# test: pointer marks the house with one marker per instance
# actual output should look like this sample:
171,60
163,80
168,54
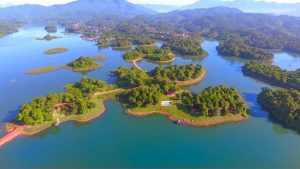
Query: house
195,111
166,103
171,93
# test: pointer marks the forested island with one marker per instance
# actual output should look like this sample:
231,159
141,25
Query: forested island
81,64
151,53
48,37
78,103
241,50
273,74
186,46
283,104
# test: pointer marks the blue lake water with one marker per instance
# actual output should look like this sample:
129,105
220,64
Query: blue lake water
119,140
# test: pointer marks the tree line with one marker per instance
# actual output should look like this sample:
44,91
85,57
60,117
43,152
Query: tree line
274,74
217,101
283,104
76,100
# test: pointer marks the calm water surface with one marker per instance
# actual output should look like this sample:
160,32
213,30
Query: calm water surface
119,140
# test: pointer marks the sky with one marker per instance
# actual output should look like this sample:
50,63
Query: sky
165,2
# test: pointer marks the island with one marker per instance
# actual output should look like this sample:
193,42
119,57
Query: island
186,46
241,50
77,103
141,93
84,64
158,92
152,53
55,51
273,74
283,105
81,64
48,38
51,29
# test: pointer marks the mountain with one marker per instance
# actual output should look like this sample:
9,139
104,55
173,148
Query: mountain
161,8
81,9
248,6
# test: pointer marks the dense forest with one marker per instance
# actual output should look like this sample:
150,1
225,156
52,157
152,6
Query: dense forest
76,100
256,30
244,51
149,52
7,27
185,46
131,77
273,74
83,63
283,104
218,101
177,73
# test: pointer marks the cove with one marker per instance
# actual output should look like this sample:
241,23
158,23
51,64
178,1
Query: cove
119,140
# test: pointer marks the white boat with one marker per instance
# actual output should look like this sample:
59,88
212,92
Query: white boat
13,81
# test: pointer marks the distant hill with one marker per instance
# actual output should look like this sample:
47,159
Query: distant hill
248,6
161,8
81,9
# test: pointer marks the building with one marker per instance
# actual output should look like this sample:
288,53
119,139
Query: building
166,103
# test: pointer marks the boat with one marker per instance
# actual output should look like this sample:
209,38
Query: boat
13,81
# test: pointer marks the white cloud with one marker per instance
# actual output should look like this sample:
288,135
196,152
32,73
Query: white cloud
165,2
41,2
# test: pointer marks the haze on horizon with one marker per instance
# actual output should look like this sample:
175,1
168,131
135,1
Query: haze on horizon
5,3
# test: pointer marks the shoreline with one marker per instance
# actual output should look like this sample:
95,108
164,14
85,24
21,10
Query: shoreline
18,130
226,119
193,81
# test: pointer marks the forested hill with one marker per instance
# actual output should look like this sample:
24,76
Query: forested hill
257,30
81,9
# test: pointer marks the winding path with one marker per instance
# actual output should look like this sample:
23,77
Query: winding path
135,63
108,92
11,135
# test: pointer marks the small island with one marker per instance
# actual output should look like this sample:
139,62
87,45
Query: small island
152,53
78,103
48,37
283,105
186,47
55,51
79,65
84,64
241,50
273,74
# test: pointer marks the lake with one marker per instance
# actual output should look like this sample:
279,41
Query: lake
118,140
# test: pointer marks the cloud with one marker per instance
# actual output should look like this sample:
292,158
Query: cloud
165,2
41,2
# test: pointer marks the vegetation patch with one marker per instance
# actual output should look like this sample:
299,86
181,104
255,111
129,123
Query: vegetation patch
149,52
283,104
83,64
55,51
186,46
45,69
241,50
273,74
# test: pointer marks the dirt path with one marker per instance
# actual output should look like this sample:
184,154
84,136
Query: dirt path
11,135
193,81
135,63
108,92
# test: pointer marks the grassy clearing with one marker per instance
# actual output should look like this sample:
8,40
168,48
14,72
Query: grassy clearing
87,69
45,69
99,58
55,51
182,114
